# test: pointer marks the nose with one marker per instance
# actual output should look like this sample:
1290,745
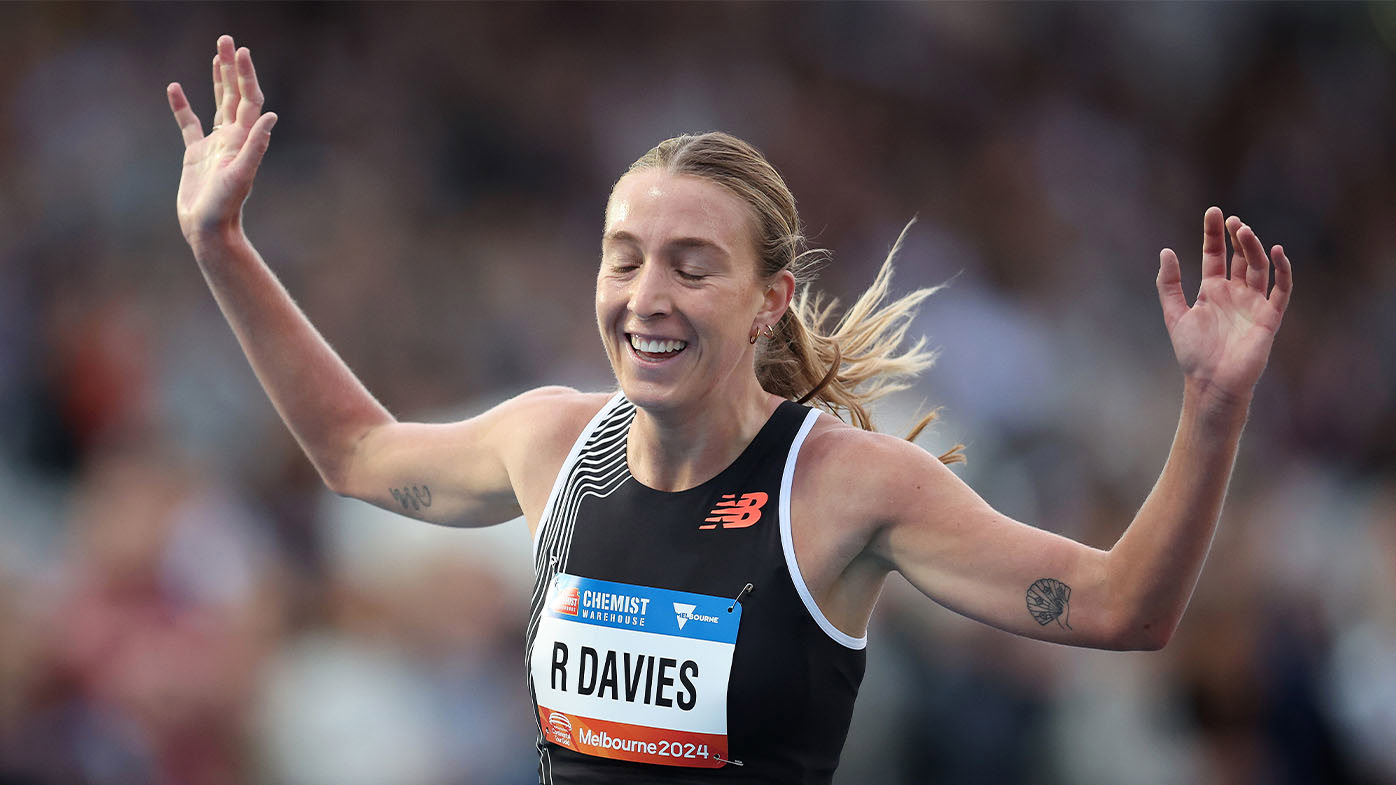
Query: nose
649,292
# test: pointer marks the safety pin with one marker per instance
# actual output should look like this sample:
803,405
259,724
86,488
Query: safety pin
745,589
721,759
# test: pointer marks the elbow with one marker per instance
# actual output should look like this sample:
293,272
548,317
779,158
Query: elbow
1152,637
334,475
337,468
337,477
1139,616
337,483
1134,626
1148,634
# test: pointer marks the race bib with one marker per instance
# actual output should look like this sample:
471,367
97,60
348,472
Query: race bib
635,673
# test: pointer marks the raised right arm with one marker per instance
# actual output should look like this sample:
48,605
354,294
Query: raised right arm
465,473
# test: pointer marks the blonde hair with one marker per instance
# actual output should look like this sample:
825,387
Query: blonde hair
841,369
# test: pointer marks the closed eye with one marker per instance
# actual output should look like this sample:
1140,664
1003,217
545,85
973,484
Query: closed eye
622,264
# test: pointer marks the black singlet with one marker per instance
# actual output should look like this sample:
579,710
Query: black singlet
793,675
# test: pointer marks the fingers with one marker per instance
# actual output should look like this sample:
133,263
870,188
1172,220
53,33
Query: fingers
1250,266
189,126
1170,288
217,92
250,156
1257,263
227,74
1284,279
1213,244
250,103
1238,250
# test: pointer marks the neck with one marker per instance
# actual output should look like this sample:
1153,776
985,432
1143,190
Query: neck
678,450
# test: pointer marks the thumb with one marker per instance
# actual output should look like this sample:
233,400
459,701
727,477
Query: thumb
1170,288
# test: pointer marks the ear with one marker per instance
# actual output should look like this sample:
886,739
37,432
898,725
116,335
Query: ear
776,299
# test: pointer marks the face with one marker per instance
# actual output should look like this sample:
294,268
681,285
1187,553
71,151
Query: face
678,293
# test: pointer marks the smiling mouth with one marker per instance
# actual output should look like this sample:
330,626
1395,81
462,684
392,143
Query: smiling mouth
655,349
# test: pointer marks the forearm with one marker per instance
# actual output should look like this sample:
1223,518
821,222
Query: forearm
1153,568
326,407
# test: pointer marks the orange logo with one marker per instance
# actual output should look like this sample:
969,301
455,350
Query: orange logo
736,513
561,728
566,601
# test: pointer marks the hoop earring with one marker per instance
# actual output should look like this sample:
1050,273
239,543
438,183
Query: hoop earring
769,332
752,338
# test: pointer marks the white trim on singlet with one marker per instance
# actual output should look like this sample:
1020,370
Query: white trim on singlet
567,465
787,543
599,473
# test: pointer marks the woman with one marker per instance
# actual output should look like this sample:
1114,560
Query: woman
708,551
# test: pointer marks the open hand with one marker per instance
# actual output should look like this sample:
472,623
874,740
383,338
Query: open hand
219,167
1223,341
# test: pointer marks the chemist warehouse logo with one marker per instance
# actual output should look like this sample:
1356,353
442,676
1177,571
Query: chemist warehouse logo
685,614
619,608
736,513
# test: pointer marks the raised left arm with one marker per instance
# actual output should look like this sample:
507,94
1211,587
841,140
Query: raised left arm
1222,343
957,550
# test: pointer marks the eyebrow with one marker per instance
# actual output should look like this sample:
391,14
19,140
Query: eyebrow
681,243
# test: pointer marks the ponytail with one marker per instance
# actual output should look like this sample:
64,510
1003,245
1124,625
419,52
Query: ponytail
860,359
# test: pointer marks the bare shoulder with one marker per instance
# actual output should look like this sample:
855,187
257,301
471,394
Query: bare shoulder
851,486
555,403
543,421
535,431
868,475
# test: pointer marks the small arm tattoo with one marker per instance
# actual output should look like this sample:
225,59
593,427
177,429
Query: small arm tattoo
1049,600
412,497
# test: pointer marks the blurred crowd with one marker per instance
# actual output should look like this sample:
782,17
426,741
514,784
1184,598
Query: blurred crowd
182,603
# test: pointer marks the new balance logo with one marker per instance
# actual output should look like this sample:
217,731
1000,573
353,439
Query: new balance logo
736,513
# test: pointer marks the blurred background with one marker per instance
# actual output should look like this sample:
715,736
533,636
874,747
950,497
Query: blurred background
182,602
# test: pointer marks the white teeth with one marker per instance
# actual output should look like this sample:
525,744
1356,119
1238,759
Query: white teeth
652,346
